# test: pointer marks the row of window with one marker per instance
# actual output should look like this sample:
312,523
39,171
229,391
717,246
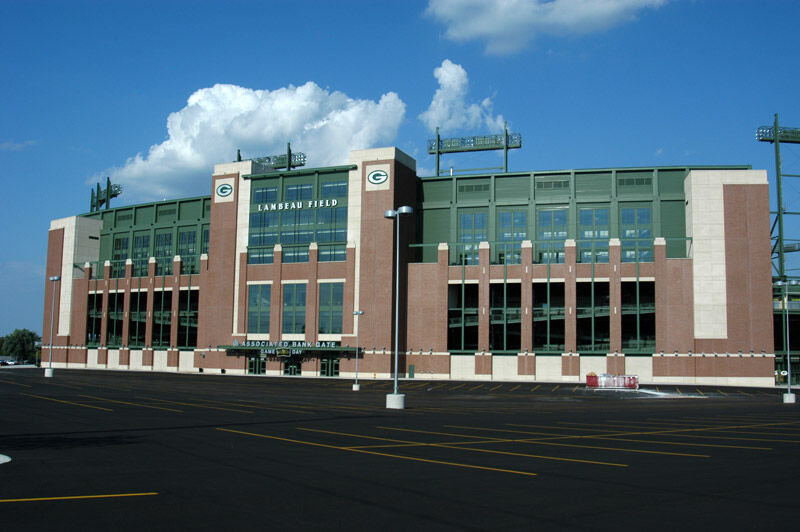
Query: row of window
162,248
136,317
636,235
330,308
299,192
548,316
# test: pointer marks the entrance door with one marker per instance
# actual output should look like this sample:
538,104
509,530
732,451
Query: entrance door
256,365
329,367
292,365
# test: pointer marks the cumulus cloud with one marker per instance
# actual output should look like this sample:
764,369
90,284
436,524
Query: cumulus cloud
218,120
507,26
449,109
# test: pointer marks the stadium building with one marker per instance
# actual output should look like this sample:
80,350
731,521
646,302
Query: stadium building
661,272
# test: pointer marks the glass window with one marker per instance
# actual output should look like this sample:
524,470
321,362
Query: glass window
636,233
294,309
331,297
258,305
471,231
593,225
552,227
334,189
265,195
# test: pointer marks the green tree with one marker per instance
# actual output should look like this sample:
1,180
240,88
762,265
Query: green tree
20,344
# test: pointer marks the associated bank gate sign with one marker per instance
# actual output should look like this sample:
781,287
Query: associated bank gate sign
283,348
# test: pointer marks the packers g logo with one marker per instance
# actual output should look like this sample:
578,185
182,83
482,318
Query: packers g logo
377,177
224,190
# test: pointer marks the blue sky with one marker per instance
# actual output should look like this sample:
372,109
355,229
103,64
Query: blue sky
155,93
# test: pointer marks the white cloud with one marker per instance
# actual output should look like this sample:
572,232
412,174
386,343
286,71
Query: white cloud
10,145
218,120
508,25
449,109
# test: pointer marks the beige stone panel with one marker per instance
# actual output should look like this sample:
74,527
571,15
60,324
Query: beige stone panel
462,367
548,368
186,361
597,364
136,360
242,230
504,368
641,366
160,361
113,359
91,358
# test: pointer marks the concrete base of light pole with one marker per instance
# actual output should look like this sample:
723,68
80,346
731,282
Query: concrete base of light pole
356,387
396,401
48,372
788,398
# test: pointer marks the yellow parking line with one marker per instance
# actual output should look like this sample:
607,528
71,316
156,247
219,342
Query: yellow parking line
67,402
539,442
535,388
496,387
198,405
127,403
515,387
435,387
364,451
459,386
474,449
73,497
555,388
745,393
700,392
475,388
17,384
723,393
679,391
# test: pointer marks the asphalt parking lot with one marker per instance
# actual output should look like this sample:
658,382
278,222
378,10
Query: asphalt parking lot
126,451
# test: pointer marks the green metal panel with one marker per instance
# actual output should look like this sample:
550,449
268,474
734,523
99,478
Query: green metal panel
552,187
435,228
437,190
190,209
673,225
124,217
166,212
634,183
595,186
473,189
671,182
512,188
145,215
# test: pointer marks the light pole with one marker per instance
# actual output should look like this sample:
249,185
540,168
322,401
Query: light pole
356,314
48,372
397,400
788,397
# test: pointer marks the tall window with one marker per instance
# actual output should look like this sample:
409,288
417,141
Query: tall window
141,253
504,316
116,313
638,315
163,252
593,232
265,195
187,318
120,256
94,319
333,189
294,309
548,317
137,319
162,318
636,233
592,320
462,317
551,232
512,229
187,249
259,297
331,296
471,231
